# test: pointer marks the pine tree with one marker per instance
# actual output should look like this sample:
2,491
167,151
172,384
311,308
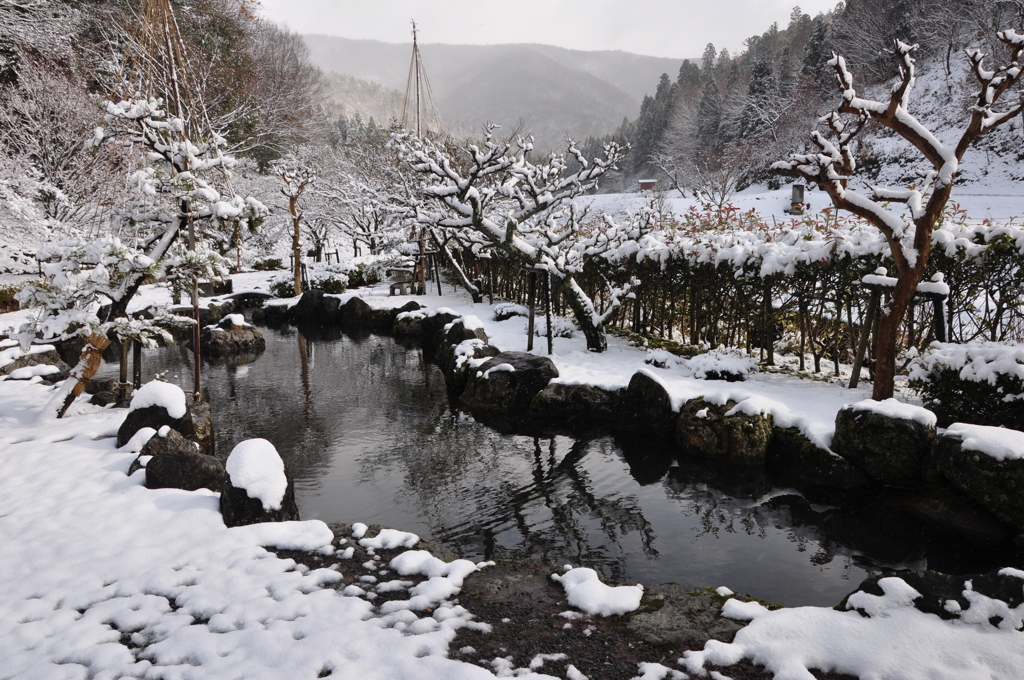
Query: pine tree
689,81
762,94
707,62
817,51
709,117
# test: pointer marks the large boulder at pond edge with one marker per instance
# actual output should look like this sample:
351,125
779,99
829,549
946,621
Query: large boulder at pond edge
157,404
646,406
704,431
357,315
503,386
461,362
177,463
230,337
986,464
432,327
257,487
450,350
317,309
887,440
822,476
576,407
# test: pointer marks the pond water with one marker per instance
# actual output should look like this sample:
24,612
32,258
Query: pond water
366,429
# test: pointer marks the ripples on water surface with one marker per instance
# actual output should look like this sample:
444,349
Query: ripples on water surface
366,429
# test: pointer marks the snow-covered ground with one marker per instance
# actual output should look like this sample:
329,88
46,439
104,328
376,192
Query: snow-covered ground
103,578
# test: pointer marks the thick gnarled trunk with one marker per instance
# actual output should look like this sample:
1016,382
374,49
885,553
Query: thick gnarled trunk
583,309
88,364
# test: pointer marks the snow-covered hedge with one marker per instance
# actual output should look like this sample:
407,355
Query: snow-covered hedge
978,382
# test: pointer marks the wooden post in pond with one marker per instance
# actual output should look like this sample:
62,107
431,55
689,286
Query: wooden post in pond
122,376
532,300
940,319
137,364
547,308
437,273
421,273
490,280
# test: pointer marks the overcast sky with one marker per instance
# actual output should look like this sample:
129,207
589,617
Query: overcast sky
663,28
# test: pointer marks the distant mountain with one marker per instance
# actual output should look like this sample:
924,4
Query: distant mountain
558,91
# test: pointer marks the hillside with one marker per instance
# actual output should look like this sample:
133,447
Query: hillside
559,91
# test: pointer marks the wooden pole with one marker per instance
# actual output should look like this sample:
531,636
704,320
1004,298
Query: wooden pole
547,307
862,347
532,300
137,364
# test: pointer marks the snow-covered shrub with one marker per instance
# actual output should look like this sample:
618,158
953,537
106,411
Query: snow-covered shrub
978,382
560,326
730,364
268,264
8,303
506,310
332,278
662,358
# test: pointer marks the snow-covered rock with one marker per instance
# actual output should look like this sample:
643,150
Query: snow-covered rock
258,487
987,464
177,463
887,440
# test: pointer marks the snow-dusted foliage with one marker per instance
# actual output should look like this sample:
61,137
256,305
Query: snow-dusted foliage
976,382
502,202
187,170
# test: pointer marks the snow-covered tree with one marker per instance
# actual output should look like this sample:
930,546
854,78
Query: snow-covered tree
296,176
908,234
88,286
499,200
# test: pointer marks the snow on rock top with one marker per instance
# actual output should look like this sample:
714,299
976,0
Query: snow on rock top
897,409
995,442
585,591
236,320
158,393
11,351
255,465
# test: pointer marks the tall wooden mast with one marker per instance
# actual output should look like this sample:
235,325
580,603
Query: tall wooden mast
419,109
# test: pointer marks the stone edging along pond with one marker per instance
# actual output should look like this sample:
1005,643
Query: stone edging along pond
874,449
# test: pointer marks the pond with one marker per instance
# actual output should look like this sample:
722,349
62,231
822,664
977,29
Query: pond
367,430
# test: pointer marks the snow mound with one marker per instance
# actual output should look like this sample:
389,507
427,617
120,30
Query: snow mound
894,640
721,364
585,591
255,465
29,372
995,442
158,393
389,539
897,409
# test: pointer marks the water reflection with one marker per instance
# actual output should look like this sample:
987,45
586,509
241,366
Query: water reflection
366,429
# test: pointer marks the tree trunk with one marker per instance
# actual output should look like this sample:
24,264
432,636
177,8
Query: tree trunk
583,310
888,332
296,246
88,364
